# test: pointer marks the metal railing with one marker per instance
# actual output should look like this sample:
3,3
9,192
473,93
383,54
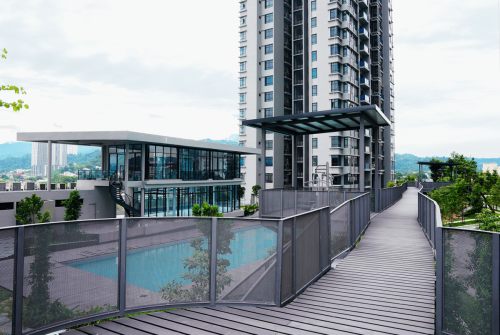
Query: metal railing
63,274
467,274
389,196
94,174
429,186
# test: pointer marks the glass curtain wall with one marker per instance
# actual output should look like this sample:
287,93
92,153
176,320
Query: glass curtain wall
162,162
116,158
194,164
159,202
189,196
227,198
134,162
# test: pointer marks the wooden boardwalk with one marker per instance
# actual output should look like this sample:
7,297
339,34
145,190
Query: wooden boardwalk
384,286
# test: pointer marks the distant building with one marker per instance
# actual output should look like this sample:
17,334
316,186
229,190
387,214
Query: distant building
39,160
490,167
72,149
69,174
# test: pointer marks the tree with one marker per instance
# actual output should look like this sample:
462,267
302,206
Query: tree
391,184
73,206
16,105
435,174
242,192
487,185
256,189
28,210
198,265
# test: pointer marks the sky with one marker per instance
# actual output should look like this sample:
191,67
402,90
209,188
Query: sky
170,68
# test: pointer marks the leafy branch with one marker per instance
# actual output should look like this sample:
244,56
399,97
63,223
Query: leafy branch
16,105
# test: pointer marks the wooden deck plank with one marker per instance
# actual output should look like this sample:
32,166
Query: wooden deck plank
93,330
171,326
120,329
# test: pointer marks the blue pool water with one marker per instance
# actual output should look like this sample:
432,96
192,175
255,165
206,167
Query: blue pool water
157,266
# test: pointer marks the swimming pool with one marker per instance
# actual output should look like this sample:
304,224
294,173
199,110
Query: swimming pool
157,266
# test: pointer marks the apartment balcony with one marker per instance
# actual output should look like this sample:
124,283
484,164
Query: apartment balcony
368,150
300,159
365,83
363,17
363,4
367,166
363,49
364,100
363,66
363,34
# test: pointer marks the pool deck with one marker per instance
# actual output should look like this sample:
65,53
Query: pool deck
386,285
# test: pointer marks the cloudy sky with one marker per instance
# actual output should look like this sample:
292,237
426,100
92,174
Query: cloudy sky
170,67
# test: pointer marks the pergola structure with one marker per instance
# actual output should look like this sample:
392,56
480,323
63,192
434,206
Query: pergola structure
440,164
329,121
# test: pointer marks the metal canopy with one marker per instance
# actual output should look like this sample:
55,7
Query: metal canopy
322,122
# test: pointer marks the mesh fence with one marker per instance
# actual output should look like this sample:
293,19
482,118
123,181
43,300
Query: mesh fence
246,260
339,230
168,261
467,282
307,243
70,271
336,198
270,203
7,247
288,203
287,262
325,244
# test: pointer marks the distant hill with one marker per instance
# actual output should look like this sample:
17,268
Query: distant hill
408,162
14,163
230,142
14,149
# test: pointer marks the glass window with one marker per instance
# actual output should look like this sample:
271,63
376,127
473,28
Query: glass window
242,161
268,81
315,143
315,107
335,86
242,113
269,177
314,73
268,96
268,49
268,112
268,64
336,160
242,66
334,14
243,51
242,82
346,142
268,33
243,35
269,145
268,3
314,160
314,39
242,98
314,22
242,130
314,90
334,49
314,56
269,161
335,141
243,5
313,6
243,20
336,103
335,67
242,143
334,32
268,18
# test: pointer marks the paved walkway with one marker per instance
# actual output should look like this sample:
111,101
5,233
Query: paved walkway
384,286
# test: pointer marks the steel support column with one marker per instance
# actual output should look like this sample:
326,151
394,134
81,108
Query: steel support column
279,263
294,161
49,166
122,267
143,178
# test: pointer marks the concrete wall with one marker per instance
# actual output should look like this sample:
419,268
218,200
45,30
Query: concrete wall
97,204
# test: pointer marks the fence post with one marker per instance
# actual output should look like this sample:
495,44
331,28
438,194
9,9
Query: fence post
279,264
320,242
295,202
294,257
496,285
17,313
213,262
122,267
329,227
439,279
281,193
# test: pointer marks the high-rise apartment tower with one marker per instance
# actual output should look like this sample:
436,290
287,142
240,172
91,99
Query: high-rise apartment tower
303,56
39,158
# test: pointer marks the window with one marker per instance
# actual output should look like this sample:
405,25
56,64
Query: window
315,107
336,160
242,161
242,82
269,145
269,161
313,6
268,49
314,160
268,65
314,90
334,14
242,66
334,32
315,143
242,130
269,177
243,5
314,56
346,142
268,81
242,98
335,141
268,96
268,112
243,35
334,49
242,113
344,16
243,20
314,39
268,18
243,51
5,206
268,33
314,73
242,143
314,22
268,4
337,180
336,86
335,67
336,103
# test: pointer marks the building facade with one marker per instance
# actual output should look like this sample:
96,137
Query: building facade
302,56
39,162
